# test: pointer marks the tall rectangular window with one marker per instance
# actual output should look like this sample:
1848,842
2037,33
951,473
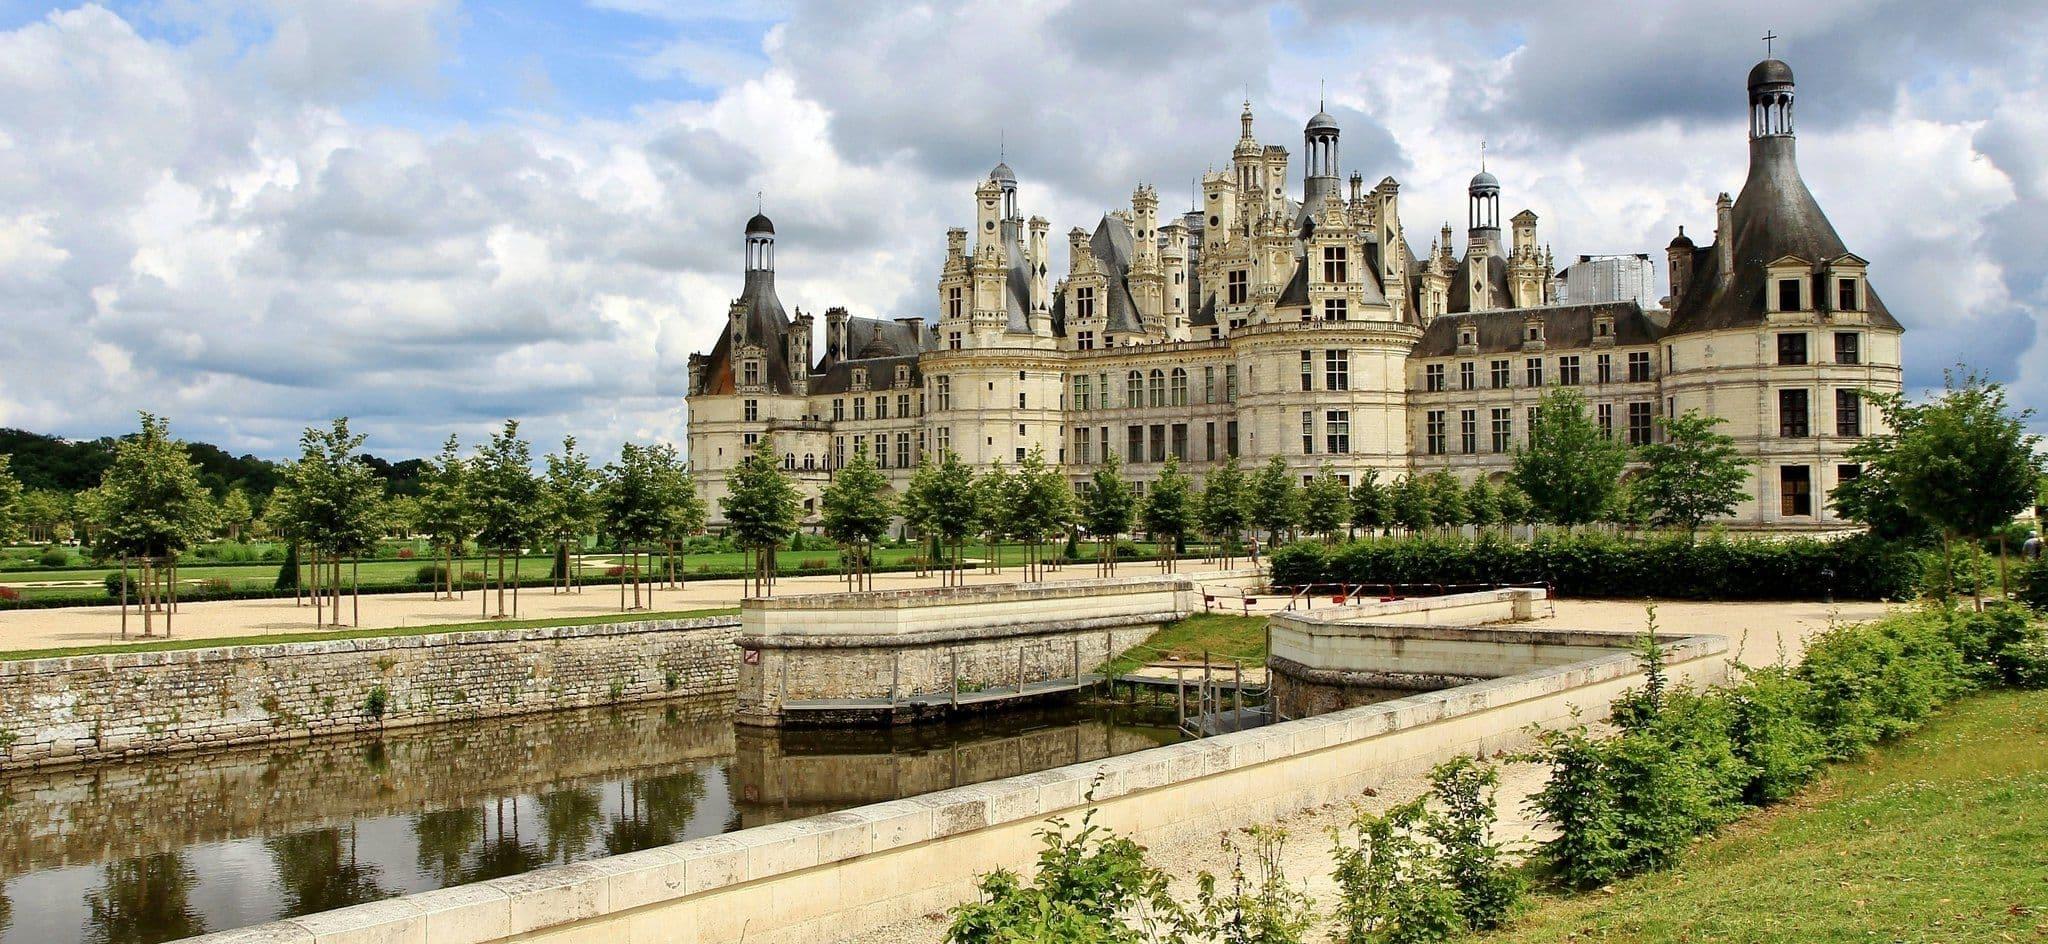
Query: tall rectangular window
1230,384
1788,295
1134,441
1084,393
753,411
1466,376
838,409
1337,370
1795,491
1308,370
1605,412
1084,445
945,440
1084,302
1638,366
945,393
1308,432
1158,431
1209,384
1603,368
1503,429
1498,374
1848,413
1792,414
903,450
1134,389
1533,368
1468,431
1337,431
860,408
1209,441
1433,432
1334,267
903,404
838,452
1568,370
1639,424
1792,348
1179,441
1237,288
1433,377
1848,347
881,408
953,303
750,374
1845,295
1230,437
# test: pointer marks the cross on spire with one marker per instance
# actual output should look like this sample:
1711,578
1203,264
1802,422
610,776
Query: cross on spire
1768,37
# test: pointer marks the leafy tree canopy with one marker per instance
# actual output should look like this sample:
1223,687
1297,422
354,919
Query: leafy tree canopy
1569,469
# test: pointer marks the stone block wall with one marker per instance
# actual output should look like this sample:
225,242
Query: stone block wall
83,708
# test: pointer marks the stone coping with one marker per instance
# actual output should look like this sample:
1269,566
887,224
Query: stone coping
563,895
986,593
889,640
114,661
1345,615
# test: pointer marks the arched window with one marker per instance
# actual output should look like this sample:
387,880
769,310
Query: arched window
810,459
1134,389
1180,386
1158,387
789,460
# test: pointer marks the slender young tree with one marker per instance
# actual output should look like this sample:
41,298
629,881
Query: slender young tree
630,510
333,501
1514,506
568,508
1224,507
1570,469
919,517
683,514
150,506
1107,510
235,513
1482,504
1446,500
857,509
508,505
1693,474
761,510
1275,500
1369,503
46,515
1413,509
994,501
447,512
1169,511
955,507
1041,506
1325,504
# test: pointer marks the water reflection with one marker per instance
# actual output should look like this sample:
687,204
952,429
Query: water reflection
156,850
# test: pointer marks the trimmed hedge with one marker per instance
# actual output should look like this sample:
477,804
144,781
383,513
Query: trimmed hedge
1602,565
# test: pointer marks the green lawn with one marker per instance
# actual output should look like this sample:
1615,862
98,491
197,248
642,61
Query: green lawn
219,641
1223,636
1942,836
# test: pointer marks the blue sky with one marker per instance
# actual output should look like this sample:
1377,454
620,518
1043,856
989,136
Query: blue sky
430,215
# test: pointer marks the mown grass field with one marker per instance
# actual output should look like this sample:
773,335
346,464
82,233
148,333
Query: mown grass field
1224,637
1940,837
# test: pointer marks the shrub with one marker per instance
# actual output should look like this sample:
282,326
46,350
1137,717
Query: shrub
615,570
406,553
1090,885
1772,734
1391,888
54,557
114,584
9,594
213,586
1260,909
430,575
1876,681
375,702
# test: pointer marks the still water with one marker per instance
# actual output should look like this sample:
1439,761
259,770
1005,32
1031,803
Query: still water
160,849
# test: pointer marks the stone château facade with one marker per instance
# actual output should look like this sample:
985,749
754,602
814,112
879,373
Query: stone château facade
1264,324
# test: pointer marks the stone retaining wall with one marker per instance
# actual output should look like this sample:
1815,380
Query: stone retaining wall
85,708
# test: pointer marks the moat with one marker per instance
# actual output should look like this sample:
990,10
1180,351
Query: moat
160,849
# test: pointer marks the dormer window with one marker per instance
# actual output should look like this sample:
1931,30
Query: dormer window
750,373
902,375
1603,328
1466,338
860,376
1535,333
1788,295
1084,302
1846,296
1335,268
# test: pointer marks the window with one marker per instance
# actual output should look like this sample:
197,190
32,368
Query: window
1568,370
945,440
838,410
1084,445
1792,417
1022,402
1533,369
1209,441
1158,442
1134,389
1336,309
953,340
753,411
1230,437
882,408
1337,431
1179,441
1638,366
1230,384
860,378
1791,349
882,450
1848,347
749,440
1530,433
1788,295
1308,370
1605,413
1846,473
945,392
1084,392
1848,413
1433,377
1020,455
1337,370
1308,432
1499,374
903,404
1334,268
1639,424
1466,376
1084,302
1503,430
1468,431
860,408
1845,295
953,309
750,373
1795,491
1134,444
1603,368
1236,288
1084,340
838,452
1433,432
1179,387
860,445
903,450
1157,386
1209,384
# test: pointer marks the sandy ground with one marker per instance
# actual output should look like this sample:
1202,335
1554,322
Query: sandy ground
100,625
1762,630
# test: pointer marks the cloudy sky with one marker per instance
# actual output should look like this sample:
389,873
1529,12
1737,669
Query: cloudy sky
252,215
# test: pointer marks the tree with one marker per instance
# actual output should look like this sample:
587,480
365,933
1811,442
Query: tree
1446,499
235,513
1412,506
683,514
11,512
1514,506
1168,511
1106,510
569,505
1570,469
1225,498
761,511
857,509
507,499
1482,504
1694,474
952,502
150,505
1372,504
1325,504
46,515
447,515
333,502
1041,505
919,517
1275,503
1962,461
630,510
994,499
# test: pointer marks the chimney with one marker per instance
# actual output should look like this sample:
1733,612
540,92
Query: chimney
1679,257
1724,235
835,333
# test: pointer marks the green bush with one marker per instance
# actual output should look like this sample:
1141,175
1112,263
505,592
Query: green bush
1773,735
430,575
1089,887
1878,680
54,557
1602,565
1391,886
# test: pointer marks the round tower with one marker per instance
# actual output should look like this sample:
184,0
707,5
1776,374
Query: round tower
1321,179
760,244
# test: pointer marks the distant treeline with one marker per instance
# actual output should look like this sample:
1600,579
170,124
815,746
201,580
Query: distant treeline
42,461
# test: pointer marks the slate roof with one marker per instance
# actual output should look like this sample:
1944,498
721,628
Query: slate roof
767,325
1565,327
